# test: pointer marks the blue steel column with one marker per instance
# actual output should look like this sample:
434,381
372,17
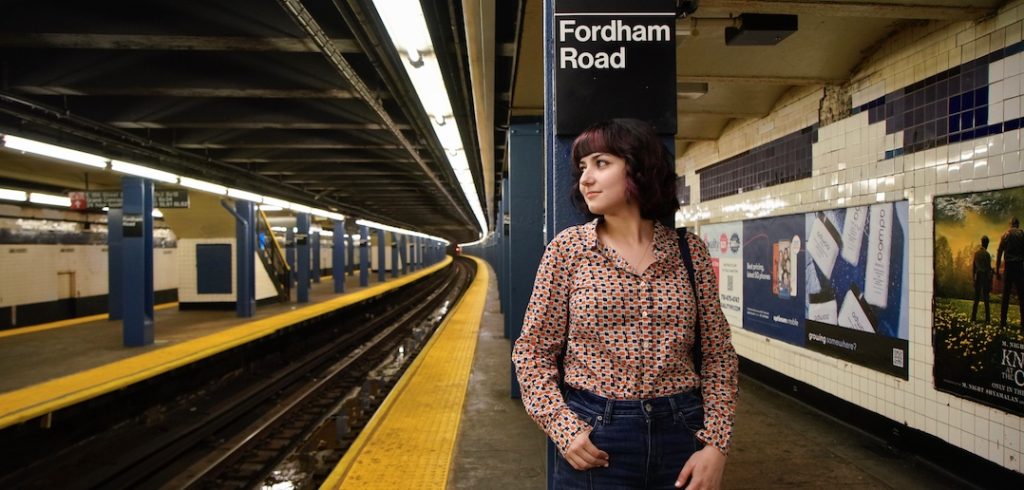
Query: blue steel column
525,240
506,258
403,253
245,258
115,257
289,251
302,257
382,273
338,257
137,265
394,254
364,255
351,254
315,249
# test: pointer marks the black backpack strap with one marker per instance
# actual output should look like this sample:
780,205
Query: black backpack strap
684,250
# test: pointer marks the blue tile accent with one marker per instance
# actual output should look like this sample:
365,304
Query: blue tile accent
783,160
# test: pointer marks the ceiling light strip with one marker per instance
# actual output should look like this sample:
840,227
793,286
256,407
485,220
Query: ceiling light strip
333,54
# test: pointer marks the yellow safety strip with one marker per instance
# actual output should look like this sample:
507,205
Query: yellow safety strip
410,441
43,398
69,322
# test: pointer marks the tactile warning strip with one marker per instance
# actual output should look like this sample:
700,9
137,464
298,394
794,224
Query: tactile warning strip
410,441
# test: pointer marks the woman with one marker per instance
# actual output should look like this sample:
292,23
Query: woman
612,298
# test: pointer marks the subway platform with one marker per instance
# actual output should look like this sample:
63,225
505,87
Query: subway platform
779,442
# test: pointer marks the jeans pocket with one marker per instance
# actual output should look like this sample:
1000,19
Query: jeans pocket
691,414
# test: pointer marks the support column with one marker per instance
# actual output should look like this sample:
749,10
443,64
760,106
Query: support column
364,255
338,257
289,252
245,258
137,265
350,253
643,87
115,257
315,249
524,203
302,257
394,254
403,250
506,258
381,271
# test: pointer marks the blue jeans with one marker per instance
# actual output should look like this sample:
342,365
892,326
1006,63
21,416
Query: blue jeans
647,441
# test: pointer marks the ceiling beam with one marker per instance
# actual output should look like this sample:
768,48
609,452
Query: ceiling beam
758,80
293,145
252,93
907,10
327,160
694,139
249,125
727,114
167,43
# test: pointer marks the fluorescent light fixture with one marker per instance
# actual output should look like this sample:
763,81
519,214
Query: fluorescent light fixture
326,233
273,201
244,195
319,212
407,28
204,186
336,216
13,195
157,213
281,229
299,208
50,199
265,208
144,172
379,226
53,151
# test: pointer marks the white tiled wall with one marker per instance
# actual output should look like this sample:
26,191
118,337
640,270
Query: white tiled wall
187,286
849,169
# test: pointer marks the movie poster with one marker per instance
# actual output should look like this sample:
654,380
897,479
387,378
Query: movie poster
725,242
773,284
979,351
857,294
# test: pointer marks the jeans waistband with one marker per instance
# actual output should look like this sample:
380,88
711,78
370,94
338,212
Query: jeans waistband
647,406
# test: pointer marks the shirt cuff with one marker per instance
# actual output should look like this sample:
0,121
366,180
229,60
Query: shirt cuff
714,434
564,428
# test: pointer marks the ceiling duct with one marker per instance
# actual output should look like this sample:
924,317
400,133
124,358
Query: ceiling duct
760,29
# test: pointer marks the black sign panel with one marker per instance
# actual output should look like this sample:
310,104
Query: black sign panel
132,225
614,58
174,198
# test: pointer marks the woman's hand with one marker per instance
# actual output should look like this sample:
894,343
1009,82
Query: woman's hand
703,471
584,455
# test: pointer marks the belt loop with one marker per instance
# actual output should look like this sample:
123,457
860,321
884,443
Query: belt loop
675,409
608,406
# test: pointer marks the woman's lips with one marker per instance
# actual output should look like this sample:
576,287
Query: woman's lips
591,194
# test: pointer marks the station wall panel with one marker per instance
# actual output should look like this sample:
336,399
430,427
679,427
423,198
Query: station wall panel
874,156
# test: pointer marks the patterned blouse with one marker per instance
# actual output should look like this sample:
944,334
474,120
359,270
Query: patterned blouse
629,336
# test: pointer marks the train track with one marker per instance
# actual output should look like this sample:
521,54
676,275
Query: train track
235,434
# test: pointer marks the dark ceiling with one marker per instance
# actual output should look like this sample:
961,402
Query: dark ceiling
300,100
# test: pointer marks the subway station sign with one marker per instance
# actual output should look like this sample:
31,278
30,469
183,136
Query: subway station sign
614,58
171,198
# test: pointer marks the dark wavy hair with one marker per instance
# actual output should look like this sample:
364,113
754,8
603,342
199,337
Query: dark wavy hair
650,169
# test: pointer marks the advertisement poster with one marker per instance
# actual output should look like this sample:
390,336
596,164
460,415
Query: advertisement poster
978,355
773,282
725,242
857,294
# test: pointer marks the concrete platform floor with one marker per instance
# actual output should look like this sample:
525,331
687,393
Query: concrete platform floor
779,442
35,357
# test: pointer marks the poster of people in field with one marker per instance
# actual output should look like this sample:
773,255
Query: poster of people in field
979,273
857,270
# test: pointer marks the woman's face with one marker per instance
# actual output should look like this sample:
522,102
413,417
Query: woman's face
603,182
